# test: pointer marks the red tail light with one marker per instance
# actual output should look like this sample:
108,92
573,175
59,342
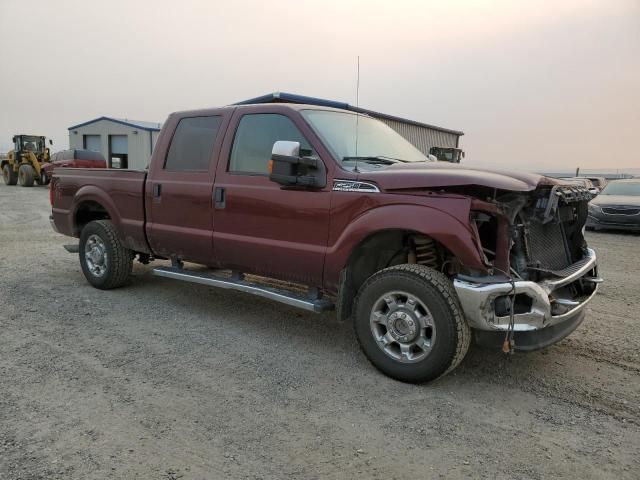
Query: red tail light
51,193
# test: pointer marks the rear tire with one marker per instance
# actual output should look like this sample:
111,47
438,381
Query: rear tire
26,175
409,323
9,175
105,262
44,179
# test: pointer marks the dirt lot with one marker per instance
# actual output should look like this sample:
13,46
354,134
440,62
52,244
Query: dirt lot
165,380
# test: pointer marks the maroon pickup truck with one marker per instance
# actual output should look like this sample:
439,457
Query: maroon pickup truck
73,158
346,214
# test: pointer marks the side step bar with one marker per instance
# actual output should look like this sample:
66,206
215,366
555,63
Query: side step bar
280,295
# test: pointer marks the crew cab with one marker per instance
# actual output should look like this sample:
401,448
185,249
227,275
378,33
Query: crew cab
343,213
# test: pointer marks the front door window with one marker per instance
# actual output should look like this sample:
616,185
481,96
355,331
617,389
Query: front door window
254,141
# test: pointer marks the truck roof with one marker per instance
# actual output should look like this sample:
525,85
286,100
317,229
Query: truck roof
285,97
262,106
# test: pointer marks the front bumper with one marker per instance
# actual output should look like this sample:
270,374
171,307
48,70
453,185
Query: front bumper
478,299
614,222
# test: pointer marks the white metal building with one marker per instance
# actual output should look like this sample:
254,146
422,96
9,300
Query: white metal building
124,143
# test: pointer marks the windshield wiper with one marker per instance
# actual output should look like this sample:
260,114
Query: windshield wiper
380,159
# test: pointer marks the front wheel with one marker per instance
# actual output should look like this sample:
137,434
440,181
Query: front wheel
105,262
26,175
9,175
409,323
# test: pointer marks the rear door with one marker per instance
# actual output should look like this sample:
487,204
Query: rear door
260,227
180,186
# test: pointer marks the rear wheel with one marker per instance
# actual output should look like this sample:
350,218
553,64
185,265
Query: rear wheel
9,175
26,175
105,262
409,323
44,180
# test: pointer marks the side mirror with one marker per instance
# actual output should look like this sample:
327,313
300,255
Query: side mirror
50,142
289,169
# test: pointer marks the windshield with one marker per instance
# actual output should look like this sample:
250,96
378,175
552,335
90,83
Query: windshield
32,143
622,188
375,139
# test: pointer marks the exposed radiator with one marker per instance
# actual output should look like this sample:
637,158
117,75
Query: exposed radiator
547,248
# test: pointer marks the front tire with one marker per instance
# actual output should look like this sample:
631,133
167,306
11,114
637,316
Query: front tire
409,323
105,262
9,175
26,175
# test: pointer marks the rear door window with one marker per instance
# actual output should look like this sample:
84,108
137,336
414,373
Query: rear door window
254,139
192,144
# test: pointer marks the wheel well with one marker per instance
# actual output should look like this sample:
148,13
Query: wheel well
381,250
87,212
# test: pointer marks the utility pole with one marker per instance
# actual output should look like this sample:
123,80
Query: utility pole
578,172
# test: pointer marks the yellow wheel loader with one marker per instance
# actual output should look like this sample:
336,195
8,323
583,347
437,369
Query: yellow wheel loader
23,164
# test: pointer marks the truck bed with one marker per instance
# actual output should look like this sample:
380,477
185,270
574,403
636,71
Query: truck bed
120,192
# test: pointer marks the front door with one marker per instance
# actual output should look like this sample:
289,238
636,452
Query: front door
261,228
179,190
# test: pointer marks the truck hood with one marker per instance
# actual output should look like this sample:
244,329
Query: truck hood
401,176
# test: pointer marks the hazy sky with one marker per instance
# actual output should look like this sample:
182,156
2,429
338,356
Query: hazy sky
533,84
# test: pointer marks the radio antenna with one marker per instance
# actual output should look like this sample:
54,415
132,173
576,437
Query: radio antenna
355,169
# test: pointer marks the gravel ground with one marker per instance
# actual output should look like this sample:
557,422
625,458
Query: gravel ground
165,380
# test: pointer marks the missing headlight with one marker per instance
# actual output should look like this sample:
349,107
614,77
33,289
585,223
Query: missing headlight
502,305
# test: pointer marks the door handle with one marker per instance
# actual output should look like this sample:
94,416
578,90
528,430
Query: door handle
157,189
219,197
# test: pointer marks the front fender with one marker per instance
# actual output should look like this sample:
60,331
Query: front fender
444,220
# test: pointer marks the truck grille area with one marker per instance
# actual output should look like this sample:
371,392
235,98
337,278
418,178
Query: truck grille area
547,247
552,231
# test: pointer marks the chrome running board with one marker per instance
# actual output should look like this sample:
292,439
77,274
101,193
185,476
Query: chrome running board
240,284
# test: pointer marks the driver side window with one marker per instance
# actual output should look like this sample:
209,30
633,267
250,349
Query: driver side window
254,139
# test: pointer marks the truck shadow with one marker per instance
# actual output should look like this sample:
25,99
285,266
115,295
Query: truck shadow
266,340
275,322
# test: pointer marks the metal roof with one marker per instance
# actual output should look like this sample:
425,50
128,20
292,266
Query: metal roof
285,97
142,125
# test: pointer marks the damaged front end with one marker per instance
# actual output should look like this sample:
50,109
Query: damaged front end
541,272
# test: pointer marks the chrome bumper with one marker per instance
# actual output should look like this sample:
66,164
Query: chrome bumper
477,299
